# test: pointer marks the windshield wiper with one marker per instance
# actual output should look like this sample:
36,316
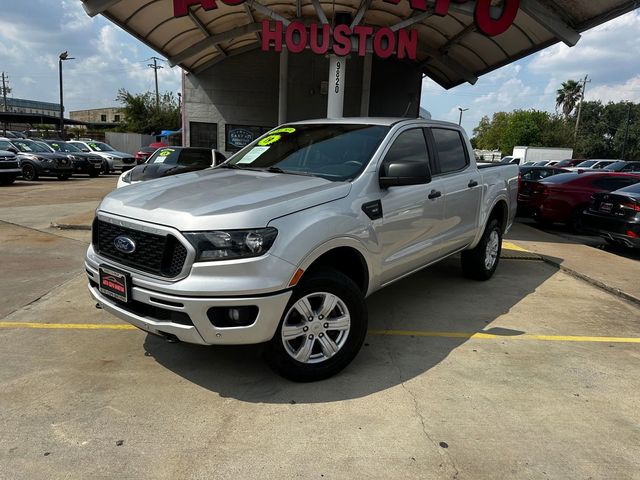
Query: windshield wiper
288,172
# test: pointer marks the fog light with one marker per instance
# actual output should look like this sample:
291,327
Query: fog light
228,317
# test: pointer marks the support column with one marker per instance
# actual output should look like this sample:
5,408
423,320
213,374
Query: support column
282,90
337,77
366,85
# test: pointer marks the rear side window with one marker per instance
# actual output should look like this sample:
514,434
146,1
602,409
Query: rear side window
451,152
409,146
614,183
632,167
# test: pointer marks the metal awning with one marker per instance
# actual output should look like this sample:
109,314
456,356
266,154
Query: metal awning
451,50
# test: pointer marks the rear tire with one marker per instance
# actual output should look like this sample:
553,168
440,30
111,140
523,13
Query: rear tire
29,172
482,262
574,222
322,342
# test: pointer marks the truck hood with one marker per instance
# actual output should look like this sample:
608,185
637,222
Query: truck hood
147,171
221,198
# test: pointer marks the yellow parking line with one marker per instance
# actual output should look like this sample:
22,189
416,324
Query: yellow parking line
513,246
489,336
394,333
67,326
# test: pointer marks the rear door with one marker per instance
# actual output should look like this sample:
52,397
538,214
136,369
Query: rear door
461,182
410,233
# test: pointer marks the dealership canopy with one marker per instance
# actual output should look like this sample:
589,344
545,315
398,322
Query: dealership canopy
456,41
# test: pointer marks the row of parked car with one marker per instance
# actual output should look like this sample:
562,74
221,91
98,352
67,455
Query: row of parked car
586,197
31,159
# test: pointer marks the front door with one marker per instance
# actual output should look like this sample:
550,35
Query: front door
411,227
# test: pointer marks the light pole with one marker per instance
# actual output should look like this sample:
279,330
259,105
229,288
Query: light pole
462,110
63,56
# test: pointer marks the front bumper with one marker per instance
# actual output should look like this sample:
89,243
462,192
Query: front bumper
196,327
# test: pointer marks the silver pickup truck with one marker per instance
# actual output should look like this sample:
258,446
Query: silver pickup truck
282,243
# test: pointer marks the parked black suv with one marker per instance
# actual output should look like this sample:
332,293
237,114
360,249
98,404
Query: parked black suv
9,168
36,160
82,162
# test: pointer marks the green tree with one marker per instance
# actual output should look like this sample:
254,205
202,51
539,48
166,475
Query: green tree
142,115
522,127
568,97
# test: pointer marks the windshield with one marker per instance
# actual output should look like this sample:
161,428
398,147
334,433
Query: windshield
632,189
185,157
336,152
27,146
100,147
587,164
64,147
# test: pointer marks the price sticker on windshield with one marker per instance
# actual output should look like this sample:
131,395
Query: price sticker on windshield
284,130
252,154
166,153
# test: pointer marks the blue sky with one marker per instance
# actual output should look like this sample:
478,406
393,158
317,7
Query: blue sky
108,58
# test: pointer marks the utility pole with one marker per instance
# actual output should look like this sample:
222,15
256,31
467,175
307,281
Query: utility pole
5,91
584,88
156,67
626,132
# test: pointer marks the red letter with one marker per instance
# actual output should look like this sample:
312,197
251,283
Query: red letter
407,43
490,26
362,32
321,48
378,48
269,35
181,7
302,37
342,40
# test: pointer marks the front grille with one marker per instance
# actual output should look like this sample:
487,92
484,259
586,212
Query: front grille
129,161
162,255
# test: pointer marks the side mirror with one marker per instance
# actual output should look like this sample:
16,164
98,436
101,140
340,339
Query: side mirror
397,173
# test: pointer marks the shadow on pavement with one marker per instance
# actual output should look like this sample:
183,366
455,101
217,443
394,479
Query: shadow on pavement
437,299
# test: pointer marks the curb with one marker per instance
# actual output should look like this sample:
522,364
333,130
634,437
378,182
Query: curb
66,226
592,281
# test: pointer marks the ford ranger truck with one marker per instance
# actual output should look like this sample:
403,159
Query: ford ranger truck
282,243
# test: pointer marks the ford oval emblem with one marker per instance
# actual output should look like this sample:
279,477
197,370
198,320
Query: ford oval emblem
124,244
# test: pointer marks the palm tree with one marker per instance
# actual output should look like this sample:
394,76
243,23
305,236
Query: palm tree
568,97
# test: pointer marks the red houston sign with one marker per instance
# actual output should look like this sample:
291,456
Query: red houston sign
385,42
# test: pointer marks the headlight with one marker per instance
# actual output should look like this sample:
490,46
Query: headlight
126,178
227,245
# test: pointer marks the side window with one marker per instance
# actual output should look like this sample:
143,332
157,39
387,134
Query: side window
409,146
4,145
451,152
612,184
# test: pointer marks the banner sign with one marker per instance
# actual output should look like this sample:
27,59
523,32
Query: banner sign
322,38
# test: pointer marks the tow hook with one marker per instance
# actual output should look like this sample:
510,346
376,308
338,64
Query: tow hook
98,306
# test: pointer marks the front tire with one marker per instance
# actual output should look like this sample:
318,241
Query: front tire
29,172
94,173
7,179
322,328
482,262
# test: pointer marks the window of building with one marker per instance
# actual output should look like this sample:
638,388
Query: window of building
103,118
203,134
116,118
451,152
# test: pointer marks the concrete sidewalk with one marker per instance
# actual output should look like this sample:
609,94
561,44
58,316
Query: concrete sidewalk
613,273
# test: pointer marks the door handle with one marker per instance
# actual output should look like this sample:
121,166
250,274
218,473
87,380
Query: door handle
434,194
473,184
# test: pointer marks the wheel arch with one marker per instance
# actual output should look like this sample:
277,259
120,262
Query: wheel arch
345,255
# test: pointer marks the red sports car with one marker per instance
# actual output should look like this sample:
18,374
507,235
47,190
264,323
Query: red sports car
563,198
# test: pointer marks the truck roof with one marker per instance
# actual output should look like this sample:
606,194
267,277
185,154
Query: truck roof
385,121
